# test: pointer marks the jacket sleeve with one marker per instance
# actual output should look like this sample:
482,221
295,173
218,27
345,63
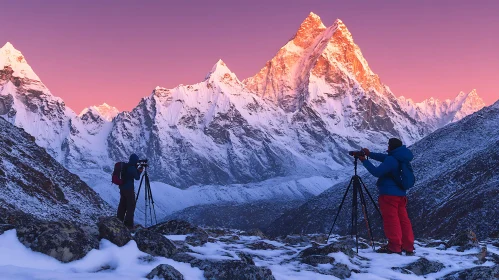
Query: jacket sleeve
134,173
378,156
385,167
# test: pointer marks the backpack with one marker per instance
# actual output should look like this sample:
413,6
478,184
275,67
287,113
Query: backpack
407,178
119,173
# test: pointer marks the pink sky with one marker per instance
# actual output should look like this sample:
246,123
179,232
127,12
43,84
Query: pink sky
90,52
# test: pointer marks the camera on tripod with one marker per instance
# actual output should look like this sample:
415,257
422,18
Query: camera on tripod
142,163
360,153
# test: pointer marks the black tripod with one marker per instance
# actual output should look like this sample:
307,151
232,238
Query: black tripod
357,183
149,201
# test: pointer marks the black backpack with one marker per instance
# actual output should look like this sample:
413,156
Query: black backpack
119,172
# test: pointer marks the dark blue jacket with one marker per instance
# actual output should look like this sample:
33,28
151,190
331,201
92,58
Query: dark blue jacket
131,173
390,164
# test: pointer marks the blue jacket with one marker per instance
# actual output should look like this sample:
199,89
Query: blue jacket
390,164
131,173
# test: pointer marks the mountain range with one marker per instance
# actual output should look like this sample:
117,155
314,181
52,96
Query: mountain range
288,126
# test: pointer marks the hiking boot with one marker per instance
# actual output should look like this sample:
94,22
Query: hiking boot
385,250
410,254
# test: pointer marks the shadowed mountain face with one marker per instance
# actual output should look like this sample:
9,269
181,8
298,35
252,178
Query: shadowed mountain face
33,182
457,185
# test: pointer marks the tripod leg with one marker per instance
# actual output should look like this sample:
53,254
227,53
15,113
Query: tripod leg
339,209
356,187
372,200
366,218
140,185
152,202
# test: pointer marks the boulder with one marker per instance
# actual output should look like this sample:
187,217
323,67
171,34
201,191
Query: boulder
338,270
197,239
297,240
465,240
112,229
424,266
175,227
315,260
261,245
478,272
233,270
245,257
154,243
166,272
64,241
345,246
5,227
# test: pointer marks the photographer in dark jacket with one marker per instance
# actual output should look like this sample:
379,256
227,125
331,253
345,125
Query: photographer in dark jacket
126,208
392,199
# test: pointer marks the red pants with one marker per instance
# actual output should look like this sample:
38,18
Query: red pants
398,228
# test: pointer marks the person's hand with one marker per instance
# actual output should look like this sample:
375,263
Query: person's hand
141,169
362,158
366,151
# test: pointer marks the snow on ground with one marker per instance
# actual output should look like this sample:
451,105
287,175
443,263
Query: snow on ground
20,263
127,262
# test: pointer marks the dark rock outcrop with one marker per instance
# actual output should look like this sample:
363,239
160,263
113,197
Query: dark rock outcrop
479,272
233,270
345,247
465,240
175,227
261,245
424,266
166,272
314,260
64,241
154,243
112,229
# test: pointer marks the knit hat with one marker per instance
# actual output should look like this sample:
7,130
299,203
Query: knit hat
394,143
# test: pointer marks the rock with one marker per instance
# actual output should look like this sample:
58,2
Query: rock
482,255
254,232
246,258
197,239
338,270
494,258
424,266
112,229
297,240
165,271
261,245
465,240
175,227
233,270
183,257
64,241
154,243
314,260
340,246
494,234
401,270
435,244
318,238
478,272
5,227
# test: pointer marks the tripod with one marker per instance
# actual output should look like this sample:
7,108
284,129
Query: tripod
149,201
357,184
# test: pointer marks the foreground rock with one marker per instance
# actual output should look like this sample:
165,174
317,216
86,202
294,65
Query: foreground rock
112,229
233,270
465,240
154,243
64,241
166,272
479,272
176,227
345,246
424,266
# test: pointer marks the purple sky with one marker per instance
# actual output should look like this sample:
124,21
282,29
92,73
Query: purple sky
90,52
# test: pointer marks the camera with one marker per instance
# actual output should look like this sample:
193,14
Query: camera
142,163
360,153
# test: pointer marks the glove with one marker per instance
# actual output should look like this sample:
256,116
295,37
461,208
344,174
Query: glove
362,158
366,151
140,169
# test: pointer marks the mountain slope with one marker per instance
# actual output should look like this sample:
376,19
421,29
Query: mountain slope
457,184
33,182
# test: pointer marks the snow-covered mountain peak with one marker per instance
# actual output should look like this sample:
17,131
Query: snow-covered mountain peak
11,58
220,72
309,29
105,111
